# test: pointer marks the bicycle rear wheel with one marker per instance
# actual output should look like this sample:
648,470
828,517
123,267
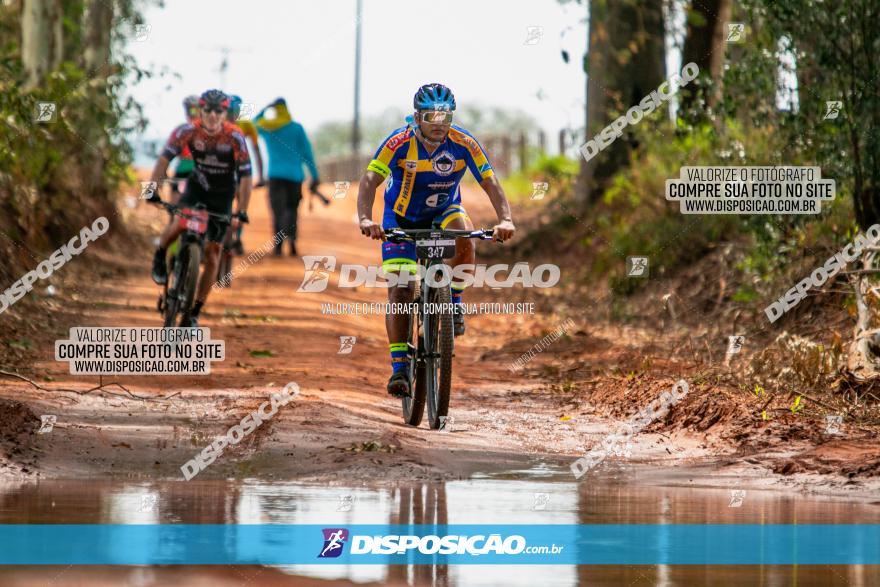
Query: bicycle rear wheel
440,373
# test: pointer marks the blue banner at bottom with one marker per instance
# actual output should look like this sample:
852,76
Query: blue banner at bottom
594,544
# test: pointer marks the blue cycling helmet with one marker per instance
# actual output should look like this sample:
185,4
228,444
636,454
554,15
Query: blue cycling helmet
234,106
434,97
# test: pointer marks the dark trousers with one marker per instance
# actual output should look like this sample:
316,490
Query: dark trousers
284,197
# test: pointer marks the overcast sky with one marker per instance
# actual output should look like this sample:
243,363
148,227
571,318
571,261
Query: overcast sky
304,51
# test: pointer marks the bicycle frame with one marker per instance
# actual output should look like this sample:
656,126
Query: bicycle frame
179,298
430,340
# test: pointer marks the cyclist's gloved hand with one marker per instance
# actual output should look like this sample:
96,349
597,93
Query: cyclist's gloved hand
243,217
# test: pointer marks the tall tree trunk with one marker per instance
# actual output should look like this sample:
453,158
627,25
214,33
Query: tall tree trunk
626,62
98,27
704,44
41,39
96,57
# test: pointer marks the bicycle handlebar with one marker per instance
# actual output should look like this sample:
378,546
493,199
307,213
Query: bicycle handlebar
409,234
179,211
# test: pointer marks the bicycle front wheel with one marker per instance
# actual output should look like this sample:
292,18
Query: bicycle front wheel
440,373
185,278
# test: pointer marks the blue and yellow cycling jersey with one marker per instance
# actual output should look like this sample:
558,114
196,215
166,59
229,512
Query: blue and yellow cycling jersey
420,186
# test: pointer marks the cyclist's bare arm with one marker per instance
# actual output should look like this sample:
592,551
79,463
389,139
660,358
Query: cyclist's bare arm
370,182
178,193
243,195
159,171
504,229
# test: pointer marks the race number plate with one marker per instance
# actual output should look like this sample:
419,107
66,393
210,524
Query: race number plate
435,248
198,221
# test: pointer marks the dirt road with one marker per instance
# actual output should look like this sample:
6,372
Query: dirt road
343,427
343,407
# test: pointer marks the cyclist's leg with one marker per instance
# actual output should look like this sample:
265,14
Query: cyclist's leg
213,246
399,259
170,234
455,217
209,273
159,271
396,258
174,228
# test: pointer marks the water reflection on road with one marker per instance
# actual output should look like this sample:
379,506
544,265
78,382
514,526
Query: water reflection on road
525,499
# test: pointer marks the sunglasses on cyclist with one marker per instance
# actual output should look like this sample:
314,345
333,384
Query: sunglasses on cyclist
437,117
216,110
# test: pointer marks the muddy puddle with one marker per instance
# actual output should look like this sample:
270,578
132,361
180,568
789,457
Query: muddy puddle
537,496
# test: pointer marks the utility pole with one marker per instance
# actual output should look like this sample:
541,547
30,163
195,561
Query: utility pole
224,67
225,51
356,123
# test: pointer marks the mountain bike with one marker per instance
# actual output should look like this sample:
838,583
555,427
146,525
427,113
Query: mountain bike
179,291
430,336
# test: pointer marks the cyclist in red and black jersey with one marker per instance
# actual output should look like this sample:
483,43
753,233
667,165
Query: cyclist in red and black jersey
220,161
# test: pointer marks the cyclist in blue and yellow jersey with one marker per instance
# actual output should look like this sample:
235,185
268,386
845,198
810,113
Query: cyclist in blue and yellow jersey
249,130
423,163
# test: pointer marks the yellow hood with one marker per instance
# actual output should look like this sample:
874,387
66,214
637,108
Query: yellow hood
282,118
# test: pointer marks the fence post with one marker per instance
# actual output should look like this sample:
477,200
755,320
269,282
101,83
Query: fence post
523,152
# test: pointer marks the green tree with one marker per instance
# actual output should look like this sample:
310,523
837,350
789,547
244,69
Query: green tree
835,45
625,62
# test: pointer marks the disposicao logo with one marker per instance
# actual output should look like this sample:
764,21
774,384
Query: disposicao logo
317,272
334,541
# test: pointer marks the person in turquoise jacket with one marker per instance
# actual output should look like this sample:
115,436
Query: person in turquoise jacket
288,148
